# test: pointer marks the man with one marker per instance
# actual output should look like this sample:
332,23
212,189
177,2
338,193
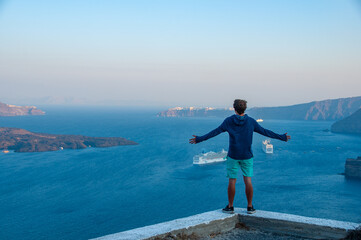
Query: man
240,128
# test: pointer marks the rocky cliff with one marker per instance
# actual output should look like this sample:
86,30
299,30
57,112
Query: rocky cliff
353,168
21,140
333,109
7,110
196,112
350,124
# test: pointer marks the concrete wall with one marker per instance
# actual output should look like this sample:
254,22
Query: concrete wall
215,222
293,225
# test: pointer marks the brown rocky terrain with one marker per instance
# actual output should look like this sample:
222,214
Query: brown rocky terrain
7,110
21,140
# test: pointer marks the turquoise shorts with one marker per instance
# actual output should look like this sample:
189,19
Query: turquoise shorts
234,165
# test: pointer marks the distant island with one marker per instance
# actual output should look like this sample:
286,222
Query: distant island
332,109
7,110
350,124
21,140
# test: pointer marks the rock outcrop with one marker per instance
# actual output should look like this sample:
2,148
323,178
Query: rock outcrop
353,168
334,109
196,112
7,110
350,124
21,140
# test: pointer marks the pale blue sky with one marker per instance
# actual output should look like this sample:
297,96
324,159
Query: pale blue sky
179,53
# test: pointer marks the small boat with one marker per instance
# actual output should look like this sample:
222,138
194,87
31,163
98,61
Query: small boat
210,157
61,148
259,120
6,151
267,146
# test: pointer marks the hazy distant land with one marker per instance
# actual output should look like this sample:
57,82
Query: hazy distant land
333,109
350,124
21,140
7,110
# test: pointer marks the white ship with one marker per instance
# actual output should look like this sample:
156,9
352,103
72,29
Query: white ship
210,157
259,120
267,146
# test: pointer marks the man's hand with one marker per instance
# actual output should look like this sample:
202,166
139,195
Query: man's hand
193,140
288,137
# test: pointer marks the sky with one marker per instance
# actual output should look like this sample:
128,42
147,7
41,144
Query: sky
165,53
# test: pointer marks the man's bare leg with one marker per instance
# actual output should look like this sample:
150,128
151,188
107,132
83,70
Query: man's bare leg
231,191
249,190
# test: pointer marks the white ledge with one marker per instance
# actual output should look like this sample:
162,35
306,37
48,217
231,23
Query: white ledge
207,217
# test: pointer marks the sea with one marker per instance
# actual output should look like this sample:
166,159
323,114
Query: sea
88,193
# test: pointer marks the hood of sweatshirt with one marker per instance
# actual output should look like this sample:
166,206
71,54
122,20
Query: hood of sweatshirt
239,120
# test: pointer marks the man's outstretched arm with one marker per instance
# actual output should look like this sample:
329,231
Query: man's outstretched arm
269,133
213,133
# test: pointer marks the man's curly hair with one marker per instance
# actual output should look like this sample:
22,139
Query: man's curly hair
240,105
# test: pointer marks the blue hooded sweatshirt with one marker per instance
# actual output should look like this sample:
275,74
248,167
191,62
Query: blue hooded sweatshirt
240,130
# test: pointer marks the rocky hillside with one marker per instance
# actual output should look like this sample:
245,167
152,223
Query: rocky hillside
21,140
333,109
350,124
7,110
196,112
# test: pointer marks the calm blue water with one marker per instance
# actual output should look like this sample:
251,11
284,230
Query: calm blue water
80,194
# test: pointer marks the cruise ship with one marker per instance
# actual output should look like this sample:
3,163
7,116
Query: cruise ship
210,157
267,146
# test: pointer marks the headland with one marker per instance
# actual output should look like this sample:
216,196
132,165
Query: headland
21,140
350,124
7,110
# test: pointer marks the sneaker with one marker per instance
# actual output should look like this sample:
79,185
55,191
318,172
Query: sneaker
228,209
251,210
